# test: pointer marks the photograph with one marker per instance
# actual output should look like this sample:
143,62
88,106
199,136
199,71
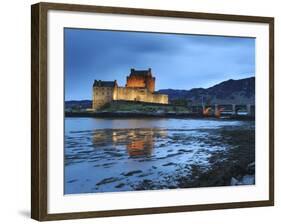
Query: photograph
157,111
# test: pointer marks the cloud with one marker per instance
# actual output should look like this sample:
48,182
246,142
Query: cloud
178,61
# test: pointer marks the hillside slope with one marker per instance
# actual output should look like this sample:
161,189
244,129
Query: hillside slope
240,91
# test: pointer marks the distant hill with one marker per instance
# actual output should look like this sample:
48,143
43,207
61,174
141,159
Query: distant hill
77,104
240,91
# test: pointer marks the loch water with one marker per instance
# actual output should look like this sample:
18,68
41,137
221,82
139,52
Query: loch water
111,155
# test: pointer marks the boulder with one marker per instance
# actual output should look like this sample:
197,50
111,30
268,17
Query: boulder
251,168
248,180
234,181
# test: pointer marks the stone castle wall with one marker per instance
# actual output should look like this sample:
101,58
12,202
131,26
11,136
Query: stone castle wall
139,94
102,96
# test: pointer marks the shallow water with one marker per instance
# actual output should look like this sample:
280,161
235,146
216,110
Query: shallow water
109,155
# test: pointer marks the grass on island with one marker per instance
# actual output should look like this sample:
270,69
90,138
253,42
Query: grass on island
125,106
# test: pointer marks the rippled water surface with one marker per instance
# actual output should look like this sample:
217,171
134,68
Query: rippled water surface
108,155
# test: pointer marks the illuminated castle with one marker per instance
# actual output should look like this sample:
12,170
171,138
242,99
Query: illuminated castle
140,87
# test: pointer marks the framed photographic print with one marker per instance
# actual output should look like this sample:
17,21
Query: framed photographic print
140,111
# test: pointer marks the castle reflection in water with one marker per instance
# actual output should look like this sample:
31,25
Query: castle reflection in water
137,142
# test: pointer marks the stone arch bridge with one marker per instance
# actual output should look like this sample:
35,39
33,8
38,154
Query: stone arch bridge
230,109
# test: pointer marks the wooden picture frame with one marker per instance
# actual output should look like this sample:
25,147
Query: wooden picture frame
39,110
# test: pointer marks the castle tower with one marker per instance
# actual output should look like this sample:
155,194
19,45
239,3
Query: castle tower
141,79
103,92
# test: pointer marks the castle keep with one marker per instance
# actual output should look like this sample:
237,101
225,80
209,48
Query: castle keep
140,86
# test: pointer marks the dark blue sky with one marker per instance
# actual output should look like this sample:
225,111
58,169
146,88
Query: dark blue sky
177,61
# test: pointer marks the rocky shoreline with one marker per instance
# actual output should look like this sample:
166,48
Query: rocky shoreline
232,167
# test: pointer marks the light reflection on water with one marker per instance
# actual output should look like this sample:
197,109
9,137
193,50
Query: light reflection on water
139,142
105,155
